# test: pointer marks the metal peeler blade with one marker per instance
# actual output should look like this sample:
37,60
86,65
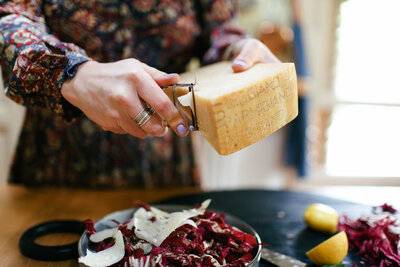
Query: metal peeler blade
194,126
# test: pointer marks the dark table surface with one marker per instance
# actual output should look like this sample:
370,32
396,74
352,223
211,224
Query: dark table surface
277,216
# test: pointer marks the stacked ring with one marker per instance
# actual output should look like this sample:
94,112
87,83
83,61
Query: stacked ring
144,116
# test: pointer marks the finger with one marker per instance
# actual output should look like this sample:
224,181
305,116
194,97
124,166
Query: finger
132,128
250,53
154,126
160,77
109,122
151,93
116,130
119,130
135,107
167,79
130,108
269,57
246,58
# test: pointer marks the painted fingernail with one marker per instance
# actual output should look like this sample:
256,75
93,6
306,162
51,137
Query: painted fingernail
170,75
181,129
240,63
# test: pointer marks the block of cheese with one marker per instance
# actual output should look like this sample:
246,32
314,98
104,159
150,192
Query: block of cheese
235,110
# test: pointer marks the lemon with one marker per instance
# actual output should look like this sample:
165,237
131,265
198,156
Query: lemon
321,217
331,251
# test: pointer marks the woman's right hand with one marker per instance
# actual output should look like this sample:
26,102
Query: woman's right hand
112,94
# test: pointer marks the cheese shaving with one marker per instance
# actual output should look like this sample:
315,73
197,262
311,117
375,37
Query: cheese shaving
156,225
186,100
100,236
108,256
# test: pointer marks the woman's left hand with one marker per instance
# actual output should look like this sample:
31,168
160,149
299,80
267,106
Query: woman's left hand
248,52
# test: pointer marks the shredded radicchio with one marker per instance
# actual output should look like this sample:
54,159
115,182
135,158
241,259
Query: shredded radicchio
90,227
211,243
375,236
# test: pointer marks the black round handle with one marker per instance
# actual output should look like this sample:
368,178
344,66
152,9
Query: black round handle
35,251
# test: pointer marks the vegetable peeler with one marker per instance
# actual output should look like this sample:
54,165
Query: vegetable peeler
193,126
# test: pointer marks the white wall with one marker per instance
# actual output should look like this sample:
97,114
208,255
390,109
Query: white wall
257,166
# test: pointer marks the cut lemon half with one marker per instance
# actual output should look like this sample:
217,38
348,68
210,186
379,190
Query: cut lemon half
321,217
331,251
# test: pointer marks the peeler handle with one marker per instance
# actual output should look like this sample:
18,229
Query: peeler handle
30,249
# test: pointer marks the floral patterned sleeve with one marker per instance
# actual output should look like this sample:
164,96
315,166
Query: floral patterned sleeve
220,21
35,63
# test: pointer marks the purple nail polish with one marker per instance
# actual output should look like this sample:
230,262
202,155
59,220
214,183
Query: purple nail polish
240,63
170,75
181,129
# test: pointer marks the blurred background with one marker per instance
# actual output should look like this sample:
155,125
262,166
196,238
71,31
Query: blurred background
347,132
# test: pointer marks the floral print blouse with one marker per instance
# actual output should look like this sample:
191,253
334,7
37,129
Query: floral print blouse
41,44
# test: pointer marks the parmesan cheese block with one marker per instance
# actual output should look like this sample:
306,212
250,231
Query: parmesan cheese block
235,110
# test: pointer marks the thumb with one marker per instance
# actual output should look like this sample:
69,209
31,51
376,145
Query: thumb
252,51
246,58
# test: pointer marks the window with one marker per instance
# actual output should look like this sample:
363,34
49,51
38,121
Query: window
363,139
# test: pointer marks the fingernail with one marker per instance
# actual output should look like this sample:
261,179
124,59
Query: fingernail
240,63
181,129
170,75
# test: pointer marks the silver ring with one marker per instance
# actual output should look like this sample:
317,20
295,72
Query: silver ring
144,116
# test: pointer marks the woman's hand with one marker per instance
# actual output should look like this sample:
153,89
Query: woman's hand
248,52
112,94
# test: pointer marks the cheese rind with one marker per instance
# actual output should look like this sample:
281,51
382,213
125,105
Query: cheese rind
235,110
